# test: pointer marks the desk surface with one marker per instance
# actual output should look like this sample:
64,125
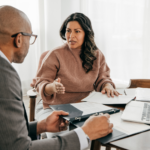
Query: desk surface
137,142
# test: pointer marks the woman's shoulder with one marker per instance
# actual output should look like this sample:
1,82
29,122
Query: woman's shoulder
99,53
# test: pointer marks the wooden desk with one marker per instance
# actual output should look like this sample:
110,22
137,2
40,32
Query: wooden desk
137,142
145,83
96,144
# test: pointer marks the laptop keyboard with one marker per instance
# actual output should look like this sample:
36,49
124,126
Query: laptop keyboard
146,112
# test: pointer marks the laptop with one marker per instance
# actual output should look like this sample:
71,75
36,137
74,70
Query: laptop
137,112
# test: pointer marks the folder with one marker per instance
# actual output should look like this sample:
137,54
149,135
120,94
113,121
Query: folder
82,111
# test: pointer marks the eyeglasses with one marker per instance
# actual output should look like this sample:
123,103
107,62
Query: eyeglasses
32,36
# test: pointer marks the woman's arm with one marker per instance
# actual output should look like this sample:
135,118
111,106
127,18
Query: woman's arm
104,83
55,87
46,75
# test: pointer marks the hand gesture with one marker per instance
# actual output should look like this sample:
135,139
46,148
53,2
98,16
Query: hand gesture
58,87
97,126
108,88
55,123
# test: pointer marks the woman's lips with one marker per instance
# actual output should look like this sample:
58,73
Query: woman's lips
72,42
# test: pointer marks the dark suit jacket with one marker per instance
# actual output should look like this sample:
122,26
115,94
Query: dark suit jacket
16,133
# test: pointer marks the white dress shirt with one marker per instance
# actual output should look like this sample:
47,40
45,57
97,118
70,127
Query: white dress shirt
81,135
82,138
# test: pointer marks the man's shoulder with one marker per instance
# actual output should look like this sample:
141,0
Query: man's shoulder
7,68
4,64
10,85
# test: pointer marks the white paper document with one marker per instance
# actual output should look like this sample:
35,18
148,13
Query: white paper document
98,97
89,108
130,92
142,94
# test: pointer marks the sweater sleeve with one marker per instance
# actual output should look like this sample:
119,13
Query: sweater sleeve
47,74
104,73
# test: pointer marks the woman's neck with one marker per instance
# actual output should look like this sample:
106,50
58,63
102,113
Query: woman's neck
75,50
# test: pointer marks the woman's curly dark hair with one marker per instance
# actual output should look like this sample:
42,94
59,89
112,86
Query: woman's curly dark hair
89,47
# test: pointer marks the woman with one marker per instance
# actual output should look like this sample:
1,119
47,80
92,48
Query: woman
70,72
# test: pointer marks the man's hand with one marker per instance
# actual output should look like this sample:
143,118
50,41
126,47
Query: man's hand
108,88
97,126
53,123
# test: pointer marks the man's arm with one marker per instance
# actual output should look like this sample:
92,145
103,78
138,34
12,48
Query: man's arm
68,141
95,127
14,133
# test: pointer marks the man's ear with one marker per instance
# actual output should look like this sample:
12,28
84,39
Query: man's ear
18,40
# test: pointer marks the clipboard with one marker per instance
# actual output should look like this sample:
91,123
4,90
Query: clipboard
82,111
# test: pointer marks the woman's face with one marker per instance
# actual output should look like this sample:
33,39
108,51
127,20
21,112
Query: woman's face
74,35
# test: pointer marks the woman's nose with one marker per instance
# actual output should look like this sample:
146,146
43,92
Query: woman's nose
72,35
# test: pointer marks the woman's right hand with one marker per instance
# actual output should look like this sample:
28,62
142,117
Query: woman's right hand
58,87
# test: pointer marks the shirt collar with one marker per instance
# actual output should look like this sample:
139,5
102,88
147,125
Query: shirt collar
3,56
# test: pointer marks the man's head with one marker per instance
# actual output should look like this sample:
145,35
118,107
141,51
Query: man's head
13,43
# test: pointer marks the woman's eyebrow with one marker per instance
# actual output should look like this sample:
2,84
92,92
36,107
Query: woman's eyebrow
74,29
78,28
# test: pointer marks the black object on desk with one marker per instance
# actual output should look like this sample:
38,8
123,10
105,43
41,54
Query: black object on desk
76,115
115,135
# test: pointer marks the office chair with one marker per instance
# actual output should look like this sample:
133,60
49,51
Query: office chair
33,94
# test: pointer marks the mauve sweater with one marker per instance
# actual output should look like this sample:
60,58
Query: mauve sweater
66,64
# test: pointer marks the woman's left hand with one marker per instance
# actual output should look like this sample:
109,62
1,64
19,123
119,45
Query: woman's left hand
109,90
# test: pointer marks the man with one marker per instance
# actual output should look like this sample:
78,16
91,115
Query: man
15,131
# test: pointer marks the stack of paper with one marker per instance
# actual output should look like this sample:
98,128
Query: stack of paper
130,92
98,97
142,94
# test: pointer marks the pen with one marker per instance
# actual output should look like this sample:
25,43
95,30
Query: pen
112,111
125,92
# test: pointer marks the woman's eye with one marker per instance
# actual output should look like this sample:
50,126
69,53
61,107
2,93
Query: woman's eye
67,30
77,31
